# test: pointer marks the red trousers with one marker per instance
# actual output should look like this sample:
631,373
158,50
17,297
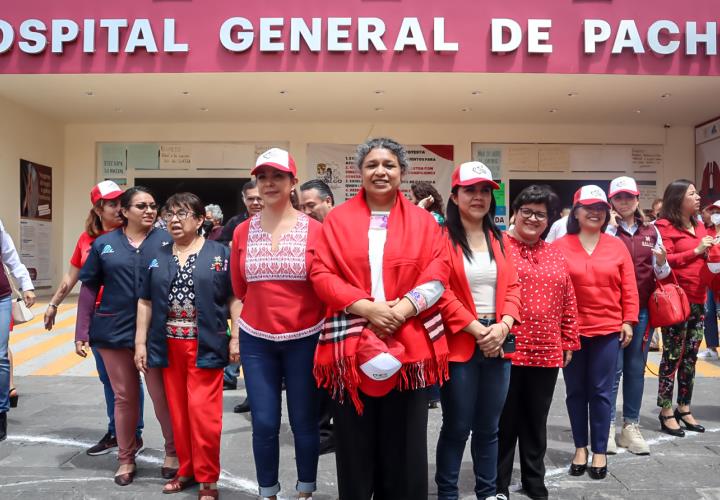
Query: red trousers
195,398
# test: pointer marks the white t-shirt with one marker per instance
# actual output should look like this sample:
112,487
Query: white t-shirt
481,274
557,230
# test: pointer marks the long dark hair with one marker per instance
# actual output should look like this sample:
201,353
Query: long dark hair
672,203
457,233
421,190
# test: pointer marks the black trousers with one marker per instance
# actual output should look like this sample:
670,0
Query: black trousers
524,421
384,451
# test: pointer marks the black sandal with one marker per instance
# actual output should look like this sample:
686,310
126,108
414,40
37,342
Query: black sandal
691,427
13,397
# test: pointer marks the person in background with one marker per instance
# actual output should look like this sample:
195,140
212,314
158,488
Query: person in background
645,245
711,219
316,199
479,308
104,216
253,204
687,244
603,275
271,260
214,214
181,328
656,206
559,227
16,270
546,339
118,263
380,267
424,195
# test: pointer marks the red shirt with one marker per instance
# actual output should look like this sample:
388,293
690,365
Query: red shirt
80,255
279,302
549,313
680,245
605,285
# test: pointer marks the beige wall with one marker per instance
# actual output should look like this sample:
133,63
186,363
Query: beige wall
25,134
80,146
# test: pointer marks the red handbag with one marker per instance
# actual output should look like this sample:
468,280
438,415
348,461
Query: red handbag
668,304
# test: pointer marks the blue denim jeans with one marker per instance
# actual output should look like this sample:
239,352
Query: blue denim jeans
472,400
631,367
110,396
231,373
711,320
5,313
265,364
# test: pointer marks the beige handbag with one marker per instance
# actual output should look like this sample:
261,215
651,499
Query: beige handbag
20,312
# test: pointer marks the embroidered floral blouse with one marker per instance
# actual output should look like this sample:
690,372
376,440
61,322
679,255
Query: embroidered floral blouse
549,314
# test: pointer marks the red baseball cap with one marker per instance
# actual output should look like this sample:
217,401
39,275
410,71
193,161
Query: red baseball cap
276,158
105,190
590,195
471,173
379,362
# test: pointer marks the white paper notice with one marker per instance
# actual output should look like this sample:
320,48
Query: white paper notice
35,250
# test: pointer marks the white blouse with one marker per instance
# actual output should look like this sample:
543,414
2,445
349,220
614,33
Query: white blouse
481,274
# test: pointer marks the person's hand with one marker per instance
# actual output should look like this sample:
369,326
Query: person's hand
49,318
614,216
141,357
29,297
660,255
426,202
705,243
491,343
626,335
81,348
234,350
383,319
567,357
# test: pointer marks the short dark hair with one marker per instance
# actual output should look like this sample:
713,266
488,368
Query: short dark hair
251,184
672,203
421,190
322,188
573,226
127,197
186,200
540,194
382,143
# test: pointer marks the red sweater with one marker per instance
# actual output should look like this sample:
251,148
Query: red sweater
458,307
605,285
279,302
680,245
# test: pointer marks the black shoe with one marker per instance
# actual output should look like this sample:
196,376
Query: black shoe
691,427
537,492
432,405
579,469
243,407
667,430
327,445
598,472
106,444
229,386
3,426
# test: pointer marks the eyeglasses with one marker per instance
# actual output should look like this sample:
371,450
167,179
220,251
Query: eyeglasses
527,213
168,215
144,206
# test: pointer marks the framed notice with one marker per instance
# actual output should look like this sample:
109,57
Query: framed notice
36,221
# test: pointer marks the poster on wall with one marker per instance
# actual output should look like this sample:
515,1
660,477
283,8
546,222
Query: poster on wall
707,162
335,164
36,221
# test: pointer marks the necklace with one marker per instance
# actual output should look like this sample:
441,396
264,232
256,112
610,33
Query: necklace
190,247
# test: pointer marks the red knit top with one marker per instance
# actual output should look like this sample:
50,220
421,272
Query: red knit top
605,285
680,245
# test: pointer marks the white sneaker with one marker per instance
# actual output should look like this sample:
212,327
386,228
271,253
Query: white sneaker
631,439
708,354
611,446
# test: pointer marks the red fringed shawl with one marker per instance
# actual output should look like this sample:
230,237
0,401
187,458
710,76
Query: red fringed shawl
414,254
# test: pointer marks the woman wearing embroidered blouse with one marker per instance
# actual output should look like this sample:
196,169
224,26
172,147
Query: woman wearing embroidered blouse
479,308
271,257
380,267
181,328
545,340
118,262
603,275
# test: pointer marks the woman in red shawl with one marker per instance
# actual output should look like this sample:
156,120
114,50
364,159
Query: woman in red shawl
380,267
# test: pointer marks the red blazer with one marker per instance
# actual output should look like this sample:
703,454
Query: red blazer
458,307
680,245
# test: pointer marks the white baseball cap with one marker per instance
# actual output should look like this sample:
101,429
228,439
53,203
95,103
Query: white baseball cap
590,195
105,190
276,158
472,172
379,362
623,185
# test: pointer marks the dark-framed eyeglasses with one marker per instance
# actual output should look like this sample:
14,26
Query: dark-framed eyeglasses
527,213
144,206
181,214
